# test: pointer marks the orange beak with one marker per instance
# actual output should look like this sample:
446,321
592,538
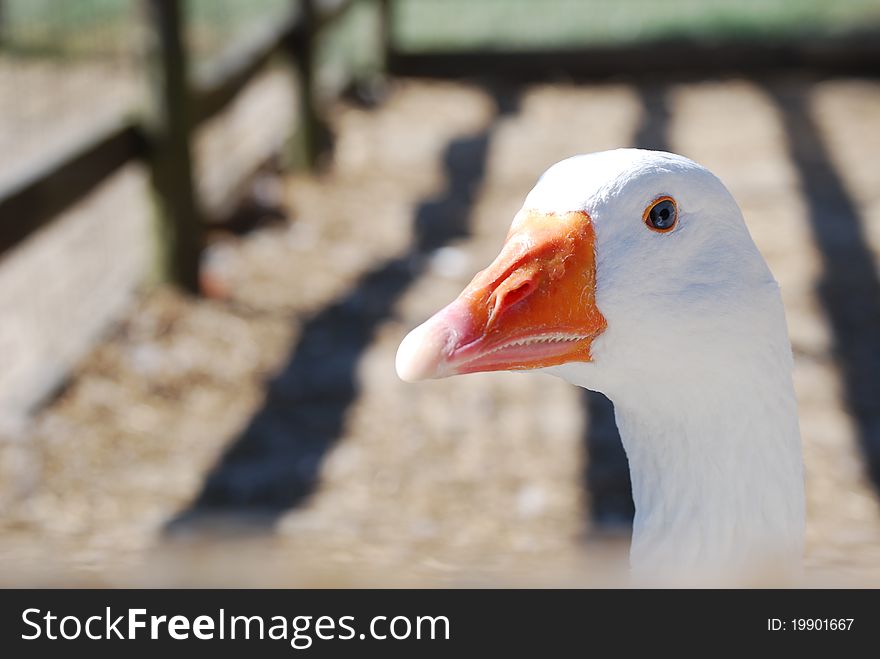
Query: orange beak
534,307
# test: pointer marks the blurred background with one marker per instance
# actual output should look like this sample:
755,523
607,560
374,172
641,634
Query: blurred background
218,218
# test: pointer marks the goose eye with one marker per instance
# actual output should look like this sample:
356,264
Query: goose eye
661,215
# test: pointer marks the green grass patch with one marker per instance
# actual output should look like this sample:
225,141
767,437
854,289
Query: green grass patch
448,24
98,27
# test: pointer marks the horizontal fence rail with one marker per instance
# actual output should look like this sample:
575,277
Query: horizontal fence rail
850,54
37,198
218,86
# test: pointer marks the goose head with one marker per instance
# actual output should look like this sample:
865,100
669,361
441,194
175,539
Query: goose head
632,273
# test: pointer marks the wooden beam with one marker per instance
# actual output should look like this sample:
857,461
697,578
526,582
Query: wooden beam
311,137
853,54
326,14
179,230
42,195
386,33
218,85
306,144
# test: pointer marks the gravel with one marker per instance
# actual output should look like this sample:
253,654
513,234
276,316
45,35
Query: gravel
261,437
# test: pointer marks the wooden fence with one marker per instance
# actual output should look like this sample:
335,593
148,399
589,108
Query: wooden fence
162,137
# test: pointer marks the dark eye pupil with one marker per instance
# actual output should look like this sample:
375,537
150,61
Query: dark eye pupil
662,216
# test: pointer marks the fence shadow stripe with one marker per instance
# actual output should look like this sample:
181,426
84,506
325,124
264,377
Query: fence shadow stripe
606,474
848,288
275,463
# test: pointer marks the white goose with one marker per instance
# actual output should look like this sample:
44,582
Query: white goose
632,273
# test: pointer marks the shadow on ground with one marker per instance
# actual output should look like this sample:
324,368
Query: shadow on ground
848,288
274,465
606,475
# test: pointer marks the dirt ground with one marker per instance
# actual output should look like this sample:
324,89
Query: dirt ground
263,438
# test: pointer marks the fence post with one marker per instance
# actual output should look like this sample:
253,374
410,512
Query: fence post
310,133
179,230
386,33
